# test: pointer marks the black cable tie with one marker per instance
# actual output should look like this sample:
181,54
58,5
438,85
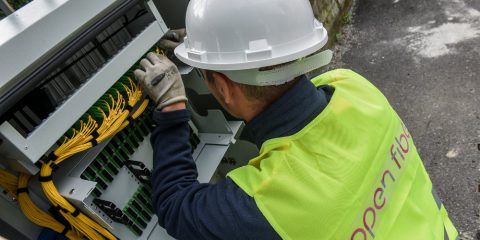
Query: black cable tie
22,190
76,213
54,166
59,209
51,156
95,134
94,142
130,119
65,231
45,178
48,160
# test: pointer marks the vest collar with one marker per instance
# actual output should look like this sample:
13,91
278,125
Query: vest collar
288,114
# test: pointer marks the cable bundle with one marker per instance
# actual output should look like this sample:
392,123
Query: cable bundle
36,215
108,117
8,181
17,187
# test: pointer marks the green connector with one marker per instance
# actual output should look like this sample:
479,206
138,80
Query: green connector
143,127
137,200
122,136
109,169
95,167
104,155
102,177
111,165
148,189
101,160
144,190
129,146
108,163
135,226
145,201
138,133
132,137
116,142
96,192
142,213
100,182
105,174
123,154
89,173
135,138
85,176
96,113
145,207
149,122
108,166
135,218
136,230
117,161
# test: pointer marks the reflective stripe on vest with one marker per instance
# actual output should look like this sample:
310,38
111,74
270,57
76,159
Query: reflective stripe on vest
351,173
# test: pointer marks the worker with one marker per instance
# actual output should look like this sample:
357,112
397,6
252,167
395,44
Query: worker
335,161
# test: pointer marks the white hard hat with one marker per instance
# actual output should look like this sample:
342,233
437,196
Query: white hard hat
236,35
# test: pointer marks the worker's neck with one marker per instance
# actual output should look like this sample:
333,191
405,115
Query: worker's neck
287,115
241,106
251,110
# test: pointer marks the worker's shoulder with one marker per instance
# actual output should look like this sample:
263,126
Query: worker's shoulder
333,77
339,74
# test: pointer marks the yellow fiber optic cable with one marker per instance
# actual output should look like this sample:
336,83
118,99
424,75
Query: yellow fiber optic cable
83,139
8,182
18,188
135,115
35,214
78,220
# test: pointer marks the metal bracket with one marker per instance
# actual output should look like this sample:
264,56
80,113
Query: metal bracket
112,211
139,170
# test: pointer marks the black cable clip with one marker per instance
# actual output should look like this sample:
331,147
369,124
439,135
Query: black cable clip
112,211
139,170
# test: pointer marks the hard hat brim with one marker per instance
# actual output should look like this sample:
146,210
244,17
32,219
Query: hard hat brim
199,60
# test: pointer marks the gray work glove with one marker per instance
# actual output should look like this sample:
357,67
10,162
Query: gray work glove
172,39
169,42
161,80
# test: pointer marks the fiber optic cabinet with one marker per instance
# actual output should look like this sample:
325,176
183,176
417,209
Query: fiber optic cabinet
57,59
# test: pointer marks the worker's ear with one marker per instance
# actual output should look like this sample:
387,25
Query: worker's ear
224,86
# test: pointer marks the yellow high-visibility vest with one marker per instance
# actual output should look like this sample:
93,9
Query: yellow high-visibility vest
351,173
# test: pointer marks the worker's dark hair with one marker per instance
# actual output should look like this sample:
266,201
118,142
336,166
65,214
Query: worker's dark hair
264,94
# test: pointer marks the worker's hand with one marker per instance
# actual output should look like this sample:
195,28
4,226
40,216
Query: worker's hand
172,39
161,80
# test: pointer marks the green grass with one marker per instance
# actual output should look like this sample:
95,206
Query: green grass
347,18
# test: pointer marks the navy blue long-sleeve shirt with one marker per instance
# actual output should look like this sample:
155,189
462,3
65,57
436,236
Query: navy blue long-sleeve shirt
190,210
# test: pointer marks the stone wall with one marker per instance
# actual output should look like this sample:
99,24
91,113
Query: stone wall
332,13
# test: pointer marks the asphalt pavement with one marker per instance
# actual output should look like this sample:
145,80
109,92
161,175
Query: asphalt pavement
425,57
